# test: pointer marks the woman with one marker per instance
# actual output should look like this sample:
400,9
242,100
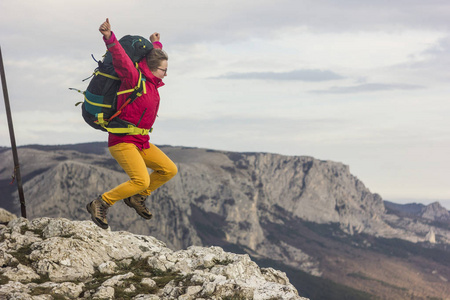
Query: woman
134,153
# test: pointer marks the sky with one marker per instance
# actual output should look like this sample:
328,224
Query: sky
364,83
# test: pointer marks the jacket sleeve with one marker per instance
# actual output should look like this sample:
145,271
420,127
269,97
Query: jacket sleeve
157,45
123,65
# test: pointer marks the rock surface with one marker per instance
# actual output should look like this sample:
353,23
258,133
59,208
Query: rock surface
6,216
45,258
435,212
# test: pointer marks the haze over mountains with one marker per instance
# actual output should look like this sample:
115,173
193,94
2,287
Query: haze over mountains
311,218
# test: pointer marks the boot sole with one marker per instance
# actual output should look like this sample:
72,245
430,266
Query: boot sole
143,216
94,219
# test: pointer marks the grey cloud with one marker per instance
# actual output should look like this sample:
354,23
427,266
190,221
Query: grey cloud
218,21
369,87
267,18
441,48
298,75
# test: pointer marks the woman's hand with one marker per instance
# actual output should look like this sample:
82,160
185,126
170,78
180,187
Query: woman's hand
105,29
154,37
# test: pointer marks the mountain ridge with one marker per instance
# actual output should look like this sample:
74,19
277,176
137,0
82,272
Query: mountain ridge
292,210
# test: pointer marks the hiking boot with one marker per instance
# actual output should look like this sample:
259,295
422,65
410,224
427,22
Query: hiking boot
98,210
138,203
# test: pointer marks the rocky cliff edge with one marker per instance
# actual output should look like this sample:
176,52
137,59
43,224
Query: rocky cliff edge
47,258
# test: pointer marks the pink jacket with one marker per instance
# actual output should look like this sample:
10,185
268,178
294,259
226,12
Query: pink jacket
145,108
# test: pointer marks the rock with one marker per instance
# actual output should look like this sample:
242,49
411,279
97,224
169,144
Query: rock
104,292
148,282
69,290
431,237
130,289
20,273
108,267
78,260
272,275
193,290
6,216
7,259
118,279
435,212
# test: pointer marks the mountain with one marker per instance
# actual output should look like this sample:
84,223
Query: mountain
310,218
433,211
410,209
62,259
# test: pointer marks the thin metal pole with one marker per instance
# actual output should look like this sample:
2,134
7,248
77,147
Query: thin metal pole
13,140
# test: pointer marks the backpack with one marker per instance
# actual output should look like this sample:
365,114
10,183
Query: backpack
99,108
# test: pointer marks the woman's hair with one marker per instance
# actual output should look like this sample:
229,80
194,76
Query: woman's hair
155,57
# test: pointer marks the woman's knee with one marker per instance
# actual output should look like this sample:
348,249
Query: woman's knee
171,170
142,182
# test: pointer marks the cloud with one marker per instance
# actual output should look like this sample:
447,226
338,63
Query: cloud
368,87
264,19
428,66
441,48
298,75
185,22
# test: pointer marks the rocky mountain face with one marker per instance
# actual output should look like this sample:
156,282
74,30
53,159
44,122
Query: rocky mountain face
433,211
62,259
313,219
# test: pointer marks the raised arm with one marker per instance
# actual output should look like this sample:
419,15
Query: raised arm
154,38
123,65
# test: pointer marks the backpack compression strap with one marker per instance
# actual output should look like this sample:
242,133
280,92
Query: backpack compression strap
136,92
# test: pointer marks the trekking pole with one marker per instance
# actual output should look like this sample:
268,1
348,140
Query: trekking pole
13,140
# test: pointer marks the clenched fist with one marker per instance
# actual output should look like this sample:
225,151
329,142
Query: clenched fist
105,29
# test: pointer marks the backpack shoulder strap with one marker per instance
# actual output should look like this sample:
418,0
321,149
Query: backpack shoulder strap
136,92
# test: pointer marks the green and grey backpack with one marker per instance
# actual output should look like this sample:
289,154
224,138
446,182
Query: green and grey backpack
99,108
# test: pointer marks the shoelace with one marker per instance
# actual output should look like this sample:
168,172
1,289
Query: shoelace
103,211
142,205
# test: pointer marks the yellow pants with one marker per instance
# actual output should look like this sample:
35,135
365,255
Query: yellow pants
135,163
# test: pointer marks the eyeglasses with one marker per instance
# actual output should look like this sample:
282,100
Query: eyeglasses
165,70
